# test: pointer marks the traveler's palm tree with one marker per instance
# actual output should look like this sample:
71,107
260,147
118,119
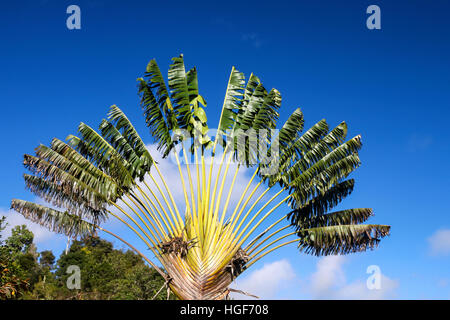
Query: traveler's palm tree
201,243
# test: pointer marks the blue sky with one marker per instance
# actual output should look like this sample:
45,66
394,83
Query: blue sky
390,85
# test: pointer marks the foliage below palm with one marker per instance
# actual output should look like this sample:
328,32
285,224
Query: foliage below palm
204,245
106,273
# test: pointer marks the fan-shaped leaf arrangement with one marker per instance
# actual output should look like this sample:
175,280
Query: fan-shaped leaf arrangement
201,242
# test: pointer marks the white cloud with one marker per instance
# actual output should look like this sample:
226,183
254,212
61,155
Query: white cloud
267,281
358,290
328,276
439,242
329,282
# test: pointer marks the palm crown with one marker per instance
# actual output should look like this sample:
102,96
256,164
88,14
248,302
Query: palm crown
203,246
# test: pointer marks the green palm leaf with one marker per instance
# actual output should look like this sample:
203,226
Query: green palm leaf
341,239
57,221
158,116
103,154
233,101
134,140
321,203
343,217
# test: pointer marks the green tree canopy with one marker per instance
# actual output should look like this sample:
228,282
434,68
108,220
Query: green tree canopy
106,272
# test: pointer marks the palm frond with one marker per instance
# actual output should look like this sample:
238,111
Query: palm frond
121,121
321,203
198,126
67,184
158,116
62,196
115,138
296,149
291,129
72,155
341,239
57,221
179,91
70,161
104,155
155,81
343,217
233,101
